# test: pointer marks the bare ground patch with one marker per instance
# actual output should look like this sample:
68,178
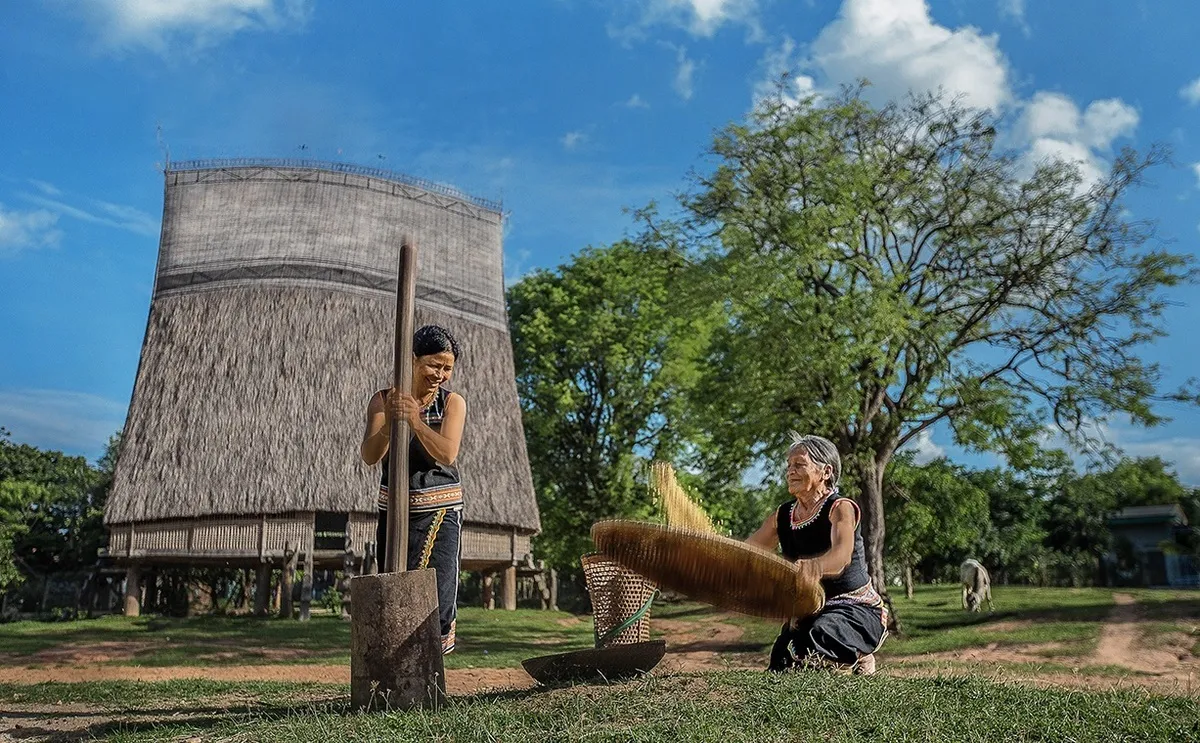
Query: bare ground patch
706,645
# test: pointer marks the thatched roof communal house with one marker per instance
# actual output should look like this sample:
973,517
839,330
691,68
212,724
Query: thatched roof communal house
271,324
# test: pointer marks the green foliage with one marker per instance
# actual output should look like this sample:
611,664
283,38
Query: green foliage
51,510
1013,544
933,510
605,350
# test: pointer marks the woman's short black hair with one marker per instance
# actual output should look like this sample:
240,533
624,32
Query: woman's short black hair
432,339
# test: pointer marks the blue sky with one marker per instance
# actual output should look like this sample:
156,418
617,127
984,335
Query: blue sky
567,110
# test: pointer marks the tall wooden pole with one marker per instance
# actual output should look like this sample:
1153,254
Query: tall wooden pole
395,635
397,528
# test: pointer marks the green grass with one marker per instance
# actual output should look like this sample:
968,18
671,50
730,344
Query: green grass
951,702
140,696
934,621
486,639
726,707
502,639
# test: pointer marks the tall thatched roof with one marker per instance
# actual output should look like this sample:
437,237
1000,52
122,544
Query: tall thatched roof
271,325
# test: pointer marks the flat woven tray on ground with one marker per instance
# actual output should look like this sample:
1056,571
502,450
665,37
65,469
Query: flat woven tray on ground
717,570
597,664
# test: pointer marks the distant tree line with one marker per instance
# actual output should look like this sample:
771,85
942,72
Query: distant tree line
1045,527
51,513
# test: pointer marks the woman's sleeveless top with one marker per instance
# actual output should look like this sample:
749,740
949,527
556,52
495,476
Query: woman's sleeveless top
814,536
431,485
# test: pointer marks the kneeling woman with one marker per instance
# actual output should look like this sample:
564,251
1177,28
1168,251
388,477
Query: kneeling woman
821,526
435,418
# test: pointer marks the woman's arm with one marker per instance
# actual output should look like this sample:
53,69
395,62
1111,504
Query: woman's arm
443,445
767,535
836,559
375,437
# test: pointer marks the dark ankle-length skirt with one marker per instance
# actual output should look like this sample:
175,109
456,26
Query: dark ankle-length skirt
840,632
434,541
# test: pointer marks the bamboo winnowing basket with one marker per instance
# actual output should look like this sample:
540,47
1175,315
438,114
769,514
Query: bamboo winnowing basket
714,569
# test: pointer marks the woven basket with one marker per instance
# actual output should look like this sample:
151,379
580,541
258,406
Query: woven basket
617,594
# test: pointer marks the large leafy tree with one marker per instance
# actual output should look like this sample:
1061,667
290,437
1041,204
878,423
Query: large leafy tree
605,350
889,269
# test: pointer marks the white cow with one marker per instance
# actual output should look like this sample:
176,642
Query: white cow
976,586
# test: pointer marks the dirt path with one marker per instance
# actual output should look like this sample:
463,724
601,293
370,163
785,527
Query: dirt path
707,645
1119,641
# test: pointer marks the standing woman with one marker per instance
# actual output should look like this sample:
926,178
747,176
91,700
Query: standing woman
822,527
435,418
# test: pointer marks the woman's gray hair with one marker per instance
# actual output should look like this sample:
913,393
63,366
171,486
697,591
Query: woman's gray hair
820,450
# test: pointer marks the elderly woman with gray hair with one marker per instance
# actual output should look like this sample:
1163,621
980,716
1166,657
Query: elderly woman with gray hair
821,526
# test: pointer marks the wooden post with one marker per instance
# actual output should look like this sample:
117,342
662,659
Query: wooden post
553,589
395,637
371,559
397,529
348,569
291,552
489,590
306,585
151,602
510,588
133,591
262,589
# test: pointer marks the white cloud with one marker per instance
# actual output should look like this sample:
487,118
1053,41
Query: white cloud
47,188
1196,170
684,74
636,101
27,229
76,423
779,66
152,23
1052,127
1191,92
1182,452
698,17
924,448
1107,119
898,47
101,212
1015,11
571,140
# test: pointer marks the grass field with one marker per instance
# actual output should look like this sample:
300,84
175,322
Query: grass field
1056,636
725,707
487,639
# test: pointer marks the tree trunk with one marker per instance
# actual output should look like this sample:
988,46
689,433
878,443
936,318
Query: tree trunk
873,530
908,581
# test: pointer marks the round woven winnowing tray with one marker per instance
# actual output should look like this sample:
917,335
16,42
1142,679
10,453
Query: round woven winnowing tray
717,570
597,664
